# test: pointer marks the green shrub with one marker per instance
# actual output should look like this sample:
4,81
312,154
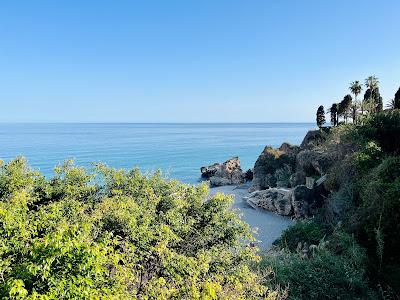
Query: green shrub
368,158
282,176
307,231
121,236
381,206
384,127
333,270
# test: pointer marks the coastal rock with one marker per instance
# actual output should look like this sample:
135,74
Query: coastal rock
289,150
273,199
302,201
313,162
271,160
207,172
297,178
312,139
227,173
299,202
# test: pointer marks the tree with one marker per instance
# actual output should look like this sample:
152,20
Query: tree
372,84
354,109
397,99
391,104
333,110
372,100
356,88
344,107
320,116
395,103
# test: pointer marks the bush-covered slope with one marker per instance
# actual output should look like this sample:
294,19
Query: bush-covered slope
120,235
351,248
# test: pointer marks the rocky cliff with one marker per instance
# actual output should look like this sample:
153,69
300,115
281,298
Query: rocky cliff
289,180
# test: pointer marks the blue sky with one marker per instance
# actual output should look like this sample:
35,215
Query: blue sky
190,61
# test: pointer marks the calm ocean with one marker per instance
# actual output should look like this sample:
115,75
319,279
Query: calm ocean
179,150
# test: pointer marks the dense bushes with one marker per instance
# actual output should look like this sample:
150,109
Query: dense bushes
364,201
306,231
121,235
331,269
384,128
381,209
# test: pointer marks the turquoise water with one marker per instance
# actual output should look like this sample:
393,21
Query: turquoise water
179,150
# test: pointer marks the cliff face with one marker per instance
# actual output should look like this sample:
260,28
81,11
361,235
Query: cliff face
279,181
273,165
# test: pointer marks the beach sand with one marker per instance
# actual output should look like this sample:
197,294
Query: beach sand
269,226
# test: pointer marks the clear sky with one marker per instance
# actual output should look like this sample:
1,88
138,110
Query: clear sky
190,61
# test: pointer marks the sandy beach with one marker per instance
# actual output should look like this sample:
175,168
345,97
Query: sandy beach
269,226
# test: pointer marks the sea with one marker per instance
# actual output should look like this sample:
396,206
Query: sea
178,150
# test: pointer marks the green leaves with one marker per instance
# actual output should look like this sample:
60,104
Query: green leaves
118,234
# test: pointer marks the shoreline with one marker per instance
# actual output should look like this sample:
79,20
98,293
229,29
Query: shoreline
269,225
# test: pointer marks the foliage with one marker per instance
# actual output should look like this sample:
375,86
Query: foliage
282,176
355,88
381,206
396,103
333,111
372,82
320,116
119,234
368,158
344,107
373,101
384,128
332,269
307,231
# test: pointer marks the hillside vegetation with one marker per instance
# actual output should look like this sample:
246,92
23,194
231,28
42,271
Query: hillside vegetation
350,249
114,234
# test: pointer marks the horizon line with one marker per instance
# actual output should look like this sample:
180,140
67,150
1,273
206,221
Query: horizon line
159,123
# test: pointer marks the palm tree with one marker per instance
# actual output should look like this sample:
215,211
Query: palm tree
356,88
372,84
391,104
397,99
354,108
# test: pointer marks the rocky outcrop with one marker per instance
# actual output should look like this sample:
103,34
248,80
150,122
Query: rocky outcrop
302,201
297,178
273,164
274,199
313,162
280,177
289,150
312,139
227,173
299,202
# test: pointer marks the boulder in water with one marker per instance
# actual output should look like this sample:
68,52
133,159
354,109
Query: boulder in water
227,173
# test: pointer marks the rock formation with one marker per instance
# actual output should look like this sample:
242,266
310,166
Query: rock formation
312,139
272,165
299,202
279,177
274,199
227,173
